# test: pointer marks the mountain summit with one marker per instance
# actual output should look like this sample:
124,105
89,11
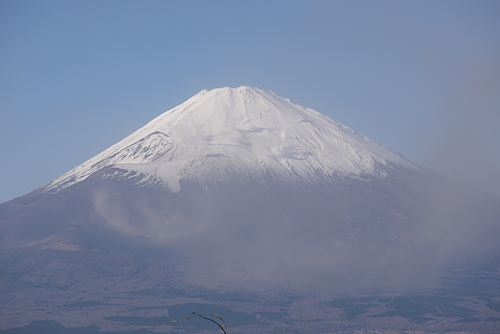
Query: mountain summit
240,132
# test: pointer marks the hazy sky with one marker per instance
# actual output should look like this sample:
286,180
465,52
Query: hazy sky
420,77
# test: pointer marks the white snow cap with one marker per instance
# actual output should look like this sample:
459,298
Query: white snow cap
244,132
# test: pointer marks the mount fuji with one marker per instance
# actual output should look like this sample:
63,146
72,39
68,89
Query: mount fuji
244,201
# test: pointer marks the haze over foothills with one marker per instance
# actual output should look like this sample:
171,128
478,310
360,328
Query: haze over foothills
422,78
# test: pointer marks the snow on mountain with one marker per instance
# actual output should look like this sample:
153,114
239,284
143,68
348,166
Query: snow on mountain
245,132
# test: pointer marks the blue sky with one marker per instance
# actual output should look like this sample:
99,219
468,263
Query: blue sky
420,77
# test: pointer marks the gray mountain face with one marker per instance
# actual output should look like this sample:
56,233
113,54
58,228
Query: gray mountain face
264,221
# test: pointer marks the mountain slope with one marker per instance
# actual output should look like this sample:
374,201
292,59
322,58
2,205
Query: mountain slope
239,192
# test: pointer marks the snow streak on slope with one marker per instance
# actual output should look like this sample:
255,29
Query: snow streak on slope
242,132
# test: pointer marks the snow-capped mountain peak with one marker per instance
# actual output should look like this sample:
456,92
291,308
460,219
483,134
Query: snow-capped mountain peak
245,132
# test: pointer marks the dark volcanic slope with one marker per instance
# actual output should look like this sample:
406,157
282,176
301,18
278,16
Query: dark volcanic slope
241,191
338,234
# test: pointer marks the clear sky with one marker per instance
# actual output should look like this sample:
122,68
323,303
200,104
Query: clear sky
420,77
